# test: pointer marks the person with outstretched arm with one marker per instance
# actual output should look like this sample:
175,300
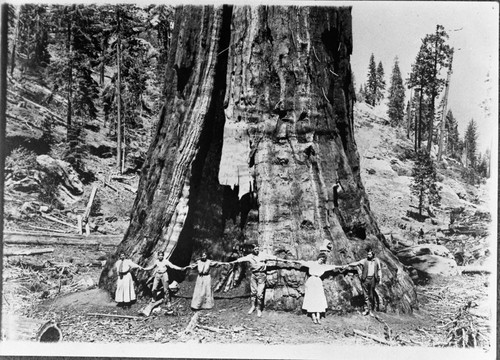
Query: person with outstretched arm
203,296
371,275
258,278
125,292
160,274
314,294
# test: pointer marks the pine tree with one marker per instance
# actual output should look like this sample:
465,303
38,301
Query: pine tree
409,117
33,35
361,96
395,109
160,19
380,83
123,99
424,183
453,138
433,56
371,84
76,49
470,140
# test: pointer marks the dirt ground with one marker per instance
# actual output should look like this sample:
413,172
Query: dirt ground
228,322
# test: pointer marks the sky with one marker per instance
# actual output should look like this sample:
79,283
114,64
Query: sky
389,29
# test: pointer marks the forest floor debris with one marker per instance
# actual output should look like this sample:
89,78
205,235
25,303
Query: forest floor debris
453,312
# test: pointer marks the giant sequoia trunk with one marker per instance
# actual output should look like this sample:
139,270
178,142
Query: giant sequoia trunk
256,129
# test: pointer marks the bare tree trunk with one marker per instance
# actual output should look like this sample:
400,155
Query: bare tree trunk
255,130
102,67
69,48
408,116
118,94
433,96
443,117
419,138
4,49
13,56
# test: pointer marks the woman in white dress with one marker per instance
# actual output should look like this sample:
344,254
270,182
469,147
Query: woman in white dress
203,297
314,297
125,292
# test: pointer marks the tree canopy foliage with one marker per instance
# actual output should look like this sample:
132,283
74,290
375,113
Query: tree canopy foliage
434,56
396,97
424,183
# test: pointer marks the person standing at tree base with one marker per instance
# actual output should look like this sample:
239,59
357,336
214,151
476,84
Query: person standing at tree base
315,302
203,297
161,266
125,292
258,278
371,275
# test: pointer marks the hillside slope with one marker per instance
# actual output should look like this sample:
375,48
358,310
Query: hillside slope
462,220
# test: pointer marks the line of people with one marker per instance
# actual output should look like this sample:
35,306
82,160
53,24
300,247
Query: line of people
314,302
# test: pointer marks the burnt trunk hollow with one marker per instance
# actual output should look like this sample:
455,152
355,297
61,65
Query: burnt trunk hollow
256,129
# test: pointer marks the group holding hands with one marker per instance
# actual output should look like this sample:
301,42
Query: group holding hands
314,301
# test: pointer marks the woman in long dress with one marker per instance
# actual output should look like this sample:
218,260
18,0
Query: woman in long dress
314,298
125,292
203,297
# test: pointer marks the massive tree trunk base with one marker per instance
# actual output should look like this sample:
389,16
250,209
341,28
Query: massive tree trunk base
256,129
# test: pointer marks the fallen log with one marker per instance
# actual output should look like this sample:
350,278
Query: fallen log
117,316
26,252
146,311
19,328
48,217
10,237
121,178
372,337
86,214
210,328
129,188
45,229
474,270
433,297
61,120
110,186
23,121
192,323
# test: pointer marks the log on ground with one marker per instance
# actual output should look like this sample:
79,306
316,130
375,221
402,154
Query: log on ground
20,328
26,252
59,239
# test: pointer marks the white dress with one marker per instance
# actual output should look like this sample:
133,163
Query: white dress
314,297
125,291
203,297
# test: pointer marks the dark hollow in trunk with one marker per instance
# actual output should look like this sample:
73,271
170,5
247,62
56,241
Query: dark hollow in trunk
256,128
